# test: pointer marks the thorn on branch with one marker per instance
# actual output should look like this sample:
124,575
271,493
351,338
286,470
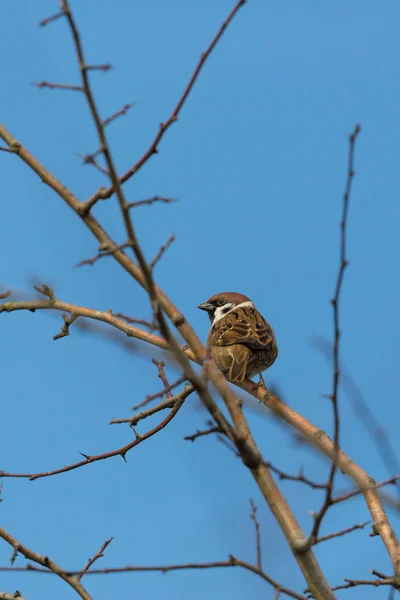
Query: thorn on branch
161,251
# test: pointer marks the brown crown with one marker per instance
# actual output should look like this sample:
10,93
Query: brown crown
229,297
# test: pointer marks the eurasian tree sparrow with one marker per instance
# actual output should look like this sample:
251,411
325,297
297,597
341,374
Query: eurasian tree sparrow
240,340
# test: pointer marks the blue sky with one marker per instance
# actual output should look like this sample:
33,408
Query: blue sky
258,162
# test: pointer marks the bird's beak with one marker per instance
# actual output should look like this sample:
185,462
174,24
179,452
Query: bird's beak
206,306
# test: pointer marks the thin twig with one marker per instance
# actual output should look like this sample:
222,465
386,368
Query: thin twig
351,583
159,394
92,560
353,493
253,517
161,251
58,86
161,374
49,565
318,517
363,412
143,322
89,159
231,562
105,67
48,20
150,201
104,194
300,477
169,402
330,536
103,252
118,452
119,113
202,432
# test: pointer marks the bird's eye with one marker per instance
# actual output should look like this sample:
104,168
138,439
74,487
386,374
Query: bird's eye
220,302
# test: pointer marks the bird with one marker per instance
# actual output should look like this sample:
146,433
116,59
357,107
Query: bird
240,340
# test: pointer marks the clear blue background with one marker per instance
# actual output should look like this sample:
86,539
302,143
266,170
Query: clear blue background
258,162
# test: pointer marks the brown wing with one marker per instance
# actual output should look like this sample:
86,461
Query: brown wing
232,360
245,326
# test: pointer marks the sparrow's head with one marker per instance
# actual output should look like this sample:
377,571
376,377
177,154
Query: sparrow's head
221,304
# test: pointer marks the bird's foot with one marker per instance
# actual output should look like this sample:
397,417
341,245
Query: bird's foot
256,386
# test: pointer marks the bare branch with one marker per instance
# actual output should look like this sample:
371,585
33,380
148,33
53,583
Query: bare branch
300,477
330,536
161,251
253,517
89,159
68,320
104,194
161,374
200,433
159,394
81,311
149,201
103,251
48,20
363,412
336,349
92,560
45,561
351,583
353,493
231,562
57,86
118,452
169,402
143,322
104,67
119,113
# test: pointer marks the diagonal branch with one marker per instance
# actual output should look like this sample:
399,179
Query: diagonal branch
179,400
45,561
103,194
92,560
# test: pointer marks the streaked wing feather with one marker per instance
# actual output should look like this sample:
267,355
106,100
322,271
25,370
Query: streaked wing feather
245,326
